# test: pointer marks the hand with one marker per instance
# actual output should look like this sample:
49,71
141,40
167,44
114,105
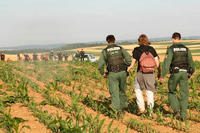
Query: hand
128,69
162,79
189,77
105,76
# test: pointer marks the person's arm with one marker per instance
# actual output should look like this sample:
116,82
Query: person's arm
101,63
127,57
167,62
191,62
132,64
158,66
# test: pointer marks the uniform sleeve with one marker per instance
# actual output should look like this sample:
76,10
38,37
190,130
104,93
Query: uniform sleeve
127,57
101,63
167,62
190,61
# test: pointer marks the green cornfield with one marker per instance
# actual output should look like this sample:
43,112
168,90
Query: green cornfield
72,97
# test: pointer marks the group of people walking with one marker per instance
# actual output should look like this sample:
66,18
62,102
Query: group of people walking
59,56
80,54
51,56
118,61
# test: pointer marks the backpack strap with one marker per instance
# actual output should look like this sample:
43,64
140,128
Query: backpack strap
142,50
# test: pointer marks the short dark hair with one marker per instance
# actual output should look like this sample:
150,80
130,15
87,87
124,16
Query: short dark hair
143,40
110,38
176,35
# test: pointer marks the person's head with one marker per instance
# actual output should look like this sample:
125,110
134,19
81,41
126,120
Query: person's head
176,37
110,39
143,40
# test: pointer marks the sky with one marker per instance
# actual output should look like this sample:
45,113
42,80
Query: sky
35,22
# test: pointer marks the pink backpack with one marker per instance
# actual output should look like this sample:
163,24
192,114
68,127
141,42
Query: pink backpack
147,63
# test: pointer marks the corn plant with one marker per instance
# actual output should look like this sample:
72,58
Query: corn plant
132,106
22,92
79,123
75,107
52,100
178,125
103,107
194,117
6,73
11,124
140,127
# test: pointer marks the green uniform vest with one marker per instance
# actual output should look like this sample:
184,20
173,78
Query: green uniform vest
35,57
179,59
115,59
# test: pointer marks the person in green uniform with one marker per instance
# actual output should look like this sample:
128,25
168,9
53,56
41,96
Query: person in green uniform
180,63
60,55
116,59
26,58
66,56
82,54
77,55
51,55
18,56
35,56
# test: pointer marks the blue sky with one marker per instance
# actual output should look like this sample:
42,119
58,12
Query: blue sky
25,22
